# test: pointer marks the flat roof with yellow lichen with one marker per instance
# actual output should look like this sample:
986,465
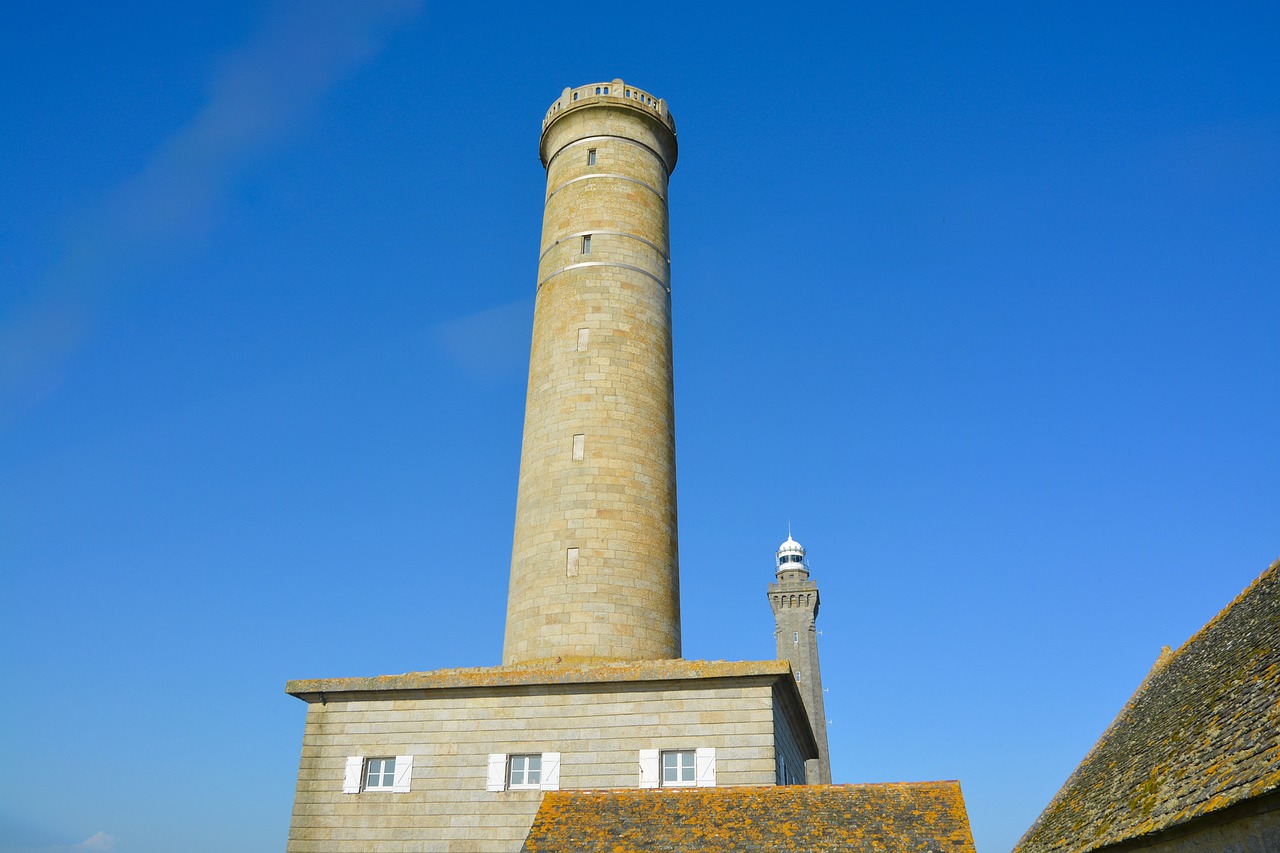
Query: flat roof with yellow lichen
555,671
1201,734
904,817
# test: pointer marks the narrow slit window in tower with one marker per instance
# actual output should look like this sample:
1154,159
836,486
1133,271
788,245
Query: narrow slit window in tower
586,244
591,156
571,564
578,442
583,334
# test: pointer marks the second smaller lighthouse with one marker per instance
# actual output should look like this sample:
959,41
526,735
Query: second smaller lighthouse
794,599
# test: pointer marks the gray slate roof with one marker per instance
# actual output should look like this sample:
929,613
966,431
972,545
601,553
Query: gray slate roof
1201,733
907,817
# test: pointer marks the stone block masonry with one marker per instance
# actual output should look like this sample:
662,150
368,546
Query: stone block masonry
594,565
597,719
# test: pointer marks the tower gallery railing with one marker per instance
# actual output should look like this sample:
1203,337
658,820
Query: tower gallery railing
613,90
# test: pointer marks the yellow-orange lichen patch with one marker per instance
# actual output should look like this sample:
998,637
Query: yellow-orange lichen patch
904,817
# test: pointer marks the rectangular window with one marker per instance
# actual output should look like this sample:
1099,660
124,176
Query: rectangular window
579,445
538,770
586,244
571,563
379,774
591,156
583,334
795,636
384,773
677,767
524,771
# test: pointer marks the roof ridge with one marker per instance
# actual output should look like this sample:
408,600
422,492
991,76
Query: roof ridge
1220,615
793,789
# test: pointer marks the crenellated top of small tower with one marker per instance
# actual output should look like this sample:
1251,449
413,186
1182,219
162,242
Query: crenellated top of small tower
613,93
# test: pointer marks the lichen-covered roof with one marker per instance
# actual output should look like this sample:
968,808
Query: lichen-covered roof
555,671
916,817
1201,733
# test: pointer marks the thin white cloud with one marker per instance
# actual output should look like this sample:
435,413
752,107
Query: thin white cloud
99,841
256,97
490,344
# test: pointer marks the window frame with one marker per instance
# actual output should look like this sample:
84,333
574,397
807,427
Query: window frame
525,759
704,774
680,768
356,779
500,766
386,776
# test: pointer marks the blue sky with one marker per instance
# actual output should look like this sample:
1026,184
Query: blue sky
982,298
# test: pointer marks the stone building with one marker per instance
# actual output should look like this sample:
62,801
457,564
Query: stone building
1192,762
593,694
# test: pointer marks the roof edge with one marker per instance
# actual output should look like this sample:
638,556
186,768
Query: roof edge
611,672
1221,614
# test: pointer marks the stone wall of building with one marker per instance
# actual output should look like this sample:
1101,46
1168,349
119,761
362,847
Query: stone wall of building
789,756
1245,830
598,730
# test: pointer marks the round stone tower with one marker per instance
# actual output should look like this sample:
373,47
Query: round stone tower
594,570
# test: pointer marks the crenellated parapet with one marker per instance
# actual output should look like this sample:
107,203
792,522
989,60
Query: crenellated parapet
615,92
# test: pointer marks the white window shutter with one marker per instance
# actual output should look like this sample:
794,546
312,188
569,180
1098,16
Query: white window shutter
648,768
497,771
351,777
404,774
550,771
705,766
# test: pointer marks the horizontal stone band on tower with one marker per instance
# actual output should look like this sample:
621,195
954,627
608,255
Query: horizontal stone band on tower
587,140
654,190
653,246
606,264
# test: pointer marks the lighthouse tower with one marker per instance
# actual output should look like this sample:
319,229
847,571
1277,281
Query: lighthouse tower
594,714
794,599
594,568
